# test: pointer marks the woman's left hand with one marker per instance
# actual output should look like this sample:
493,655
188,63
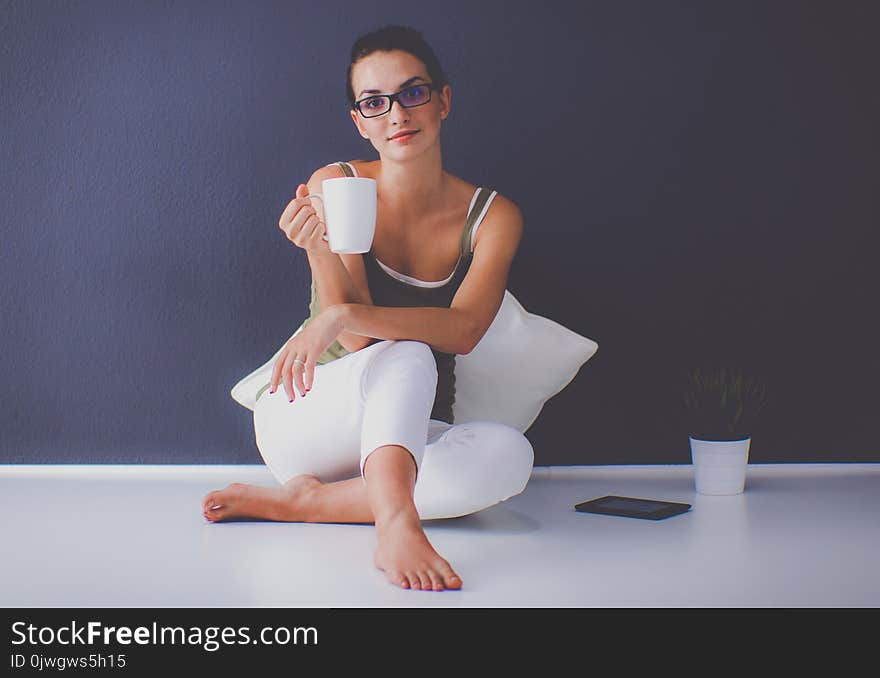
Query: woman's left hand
296,362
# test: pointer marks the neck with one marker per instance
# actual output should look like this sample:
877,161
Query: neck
417,183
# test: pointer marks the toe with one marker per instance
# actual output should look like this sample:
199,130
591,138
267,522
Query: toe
215,514
436,580
425,583
450,579
214,499
396,578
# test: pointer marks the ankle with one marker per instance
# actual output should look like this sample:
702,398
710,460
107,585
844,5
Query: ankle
303,493
398,518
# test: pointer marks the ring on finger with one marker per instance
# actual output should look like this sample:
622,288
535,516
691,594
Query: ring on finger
297,360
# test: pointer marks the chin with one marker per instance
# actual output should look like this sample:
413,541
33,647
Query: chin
414,147
401,153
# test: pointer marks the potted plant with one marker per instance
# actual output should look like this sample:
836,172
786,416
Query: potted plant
722,407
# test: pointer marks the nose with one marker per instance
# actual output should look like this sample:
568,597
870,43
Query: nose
398,114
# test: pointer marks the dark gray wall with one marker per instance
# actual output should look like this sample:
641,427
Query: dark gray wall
699,182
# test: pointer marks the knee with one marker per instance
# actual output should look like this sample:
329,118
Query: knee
413,350
510,453
414,355
476,465
291,446
518,454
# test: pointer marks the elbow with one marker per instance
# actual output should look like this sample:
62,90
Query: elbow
354,343
467,347
472,335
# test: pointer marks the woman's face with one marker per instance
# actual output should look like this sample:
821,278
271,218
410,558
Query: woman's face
389,73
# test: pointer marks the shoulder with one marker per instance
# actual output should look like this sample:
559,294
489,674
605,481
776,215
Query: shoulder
501,209
503,221
333,171
322,173
366,168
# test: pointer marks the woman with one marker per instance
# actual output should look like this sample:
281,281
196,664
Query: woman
373,372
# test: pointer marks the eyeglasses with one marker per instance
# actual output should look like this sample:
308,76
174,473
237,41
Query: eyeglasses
380,104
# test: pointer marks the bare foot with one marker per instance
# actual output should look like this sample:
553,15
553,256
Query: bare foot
286,503
409,560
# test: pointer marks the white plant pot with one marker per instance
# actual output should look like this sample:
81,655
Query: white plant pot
720,465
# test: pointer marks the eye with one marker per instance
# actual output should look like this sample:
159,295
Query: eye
375,102
415,92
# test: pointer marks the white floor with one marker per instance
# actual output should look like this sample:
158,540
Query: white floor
133,536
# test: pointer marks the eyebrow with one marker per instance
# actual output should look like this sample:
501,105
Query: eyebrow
402,86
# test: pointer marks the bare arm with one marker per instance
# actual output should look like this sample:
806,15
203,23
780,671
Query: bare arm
334,286
339,278
482,289
452,330
457,329
445,329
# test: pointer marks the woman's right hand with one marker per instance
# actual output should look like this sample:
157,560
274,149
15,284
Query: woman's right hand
303,222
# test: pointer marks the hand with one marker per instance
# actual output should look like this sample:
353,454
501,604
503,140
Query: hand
296,362
303,222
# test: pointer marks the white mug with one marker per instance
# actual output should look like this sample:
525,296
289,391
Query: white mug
349,213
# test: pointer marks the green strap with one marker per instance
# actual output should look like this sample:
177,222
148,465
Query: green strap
335,350
262,391
482,198
473,215
346,169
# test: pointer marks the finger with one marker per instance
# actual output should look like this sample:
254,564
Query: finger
298,376
309,376
315,237
286,376
294,228
298,218
318,233
291,209
318,205
307,231
276,370
287,214
302,191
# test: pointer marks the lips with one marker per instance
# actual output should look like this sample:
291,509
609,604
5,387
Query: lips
404,134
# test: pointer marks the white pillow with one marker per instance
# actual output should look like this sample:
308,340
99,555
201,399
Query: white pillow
521,362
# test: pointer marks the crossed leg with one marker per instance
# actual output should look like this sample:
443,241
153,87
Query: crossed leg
386,499
302,499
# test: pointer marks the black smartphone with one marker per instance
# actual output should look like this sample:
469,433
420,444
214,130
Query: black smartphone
632,507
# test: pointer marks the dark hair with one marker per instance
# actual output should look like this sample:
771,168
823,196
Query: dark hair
396,38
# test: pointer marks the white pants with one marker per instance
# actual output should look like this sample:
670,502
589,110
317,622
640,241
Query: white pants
383,395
